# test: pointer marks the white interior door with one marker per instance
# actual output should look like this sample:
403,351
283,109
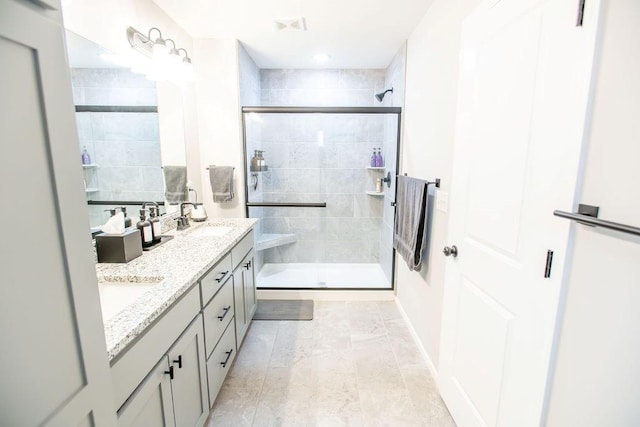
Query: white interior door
523,94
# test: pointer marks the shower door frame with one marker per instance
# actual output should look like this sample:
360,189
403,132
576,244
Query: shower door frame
322,110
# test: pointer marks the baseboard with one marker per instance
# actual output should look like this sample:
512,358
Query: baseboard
416,339
327,295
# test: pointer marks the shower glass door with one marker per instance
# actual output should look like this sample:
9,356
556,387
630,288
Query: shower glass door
324,223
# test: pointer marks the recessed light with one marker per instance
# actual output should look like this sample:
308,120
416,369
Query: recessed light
321,57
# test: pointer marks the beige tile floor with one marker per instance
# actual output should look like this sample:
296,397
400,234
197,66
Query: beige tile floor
355,364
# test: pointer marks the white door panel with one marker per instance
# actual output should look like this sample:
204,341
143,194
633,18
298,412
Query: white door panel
523,92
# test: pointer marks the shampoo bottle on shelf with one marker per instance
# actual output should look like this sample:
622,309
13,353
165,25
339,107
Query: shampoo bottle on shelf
374,159
86,158
379,160
146,232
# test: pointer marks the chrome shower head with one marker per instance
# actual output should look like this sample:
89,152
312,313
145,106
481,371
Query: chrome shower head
380,96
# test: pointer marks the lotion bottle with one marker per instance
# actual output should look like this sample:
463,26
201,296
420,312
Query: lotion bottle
146,232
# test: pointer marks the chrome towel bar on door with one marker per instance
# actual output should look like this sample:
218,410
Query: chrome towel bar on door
593,220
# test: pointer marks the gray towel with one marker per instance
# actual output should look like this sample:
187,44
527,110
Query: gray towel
175,183
410,228
221,178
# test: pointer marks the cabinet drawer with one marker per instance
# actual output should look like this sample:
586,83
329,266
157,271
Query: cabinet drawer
240,250
217,315
215,278
220,361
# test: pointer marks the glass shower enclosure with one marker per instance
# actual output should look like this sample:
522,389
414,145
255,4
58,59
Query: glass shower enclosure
325,207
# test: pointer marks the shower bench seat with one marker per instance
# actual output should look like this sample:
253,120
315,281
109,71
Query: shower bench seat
271,240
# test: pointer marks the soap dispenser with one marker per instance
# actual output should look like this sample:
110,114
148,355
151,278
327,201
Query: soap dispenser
156,226
146,232
127,220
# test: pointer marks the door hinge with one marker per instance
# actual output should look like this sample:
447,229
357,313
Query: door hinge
547,265
580,19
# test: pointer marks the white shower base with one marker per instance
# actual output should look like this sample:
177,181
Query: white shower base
322,276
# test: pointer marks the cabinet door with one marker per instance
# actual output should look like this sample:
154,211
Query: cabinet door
49,300
150,404
238,299
250,300
189,384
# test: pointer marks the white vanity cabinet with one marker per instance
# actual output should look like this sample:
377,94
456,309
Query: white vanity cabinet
175,392
195,343
152,403
243,285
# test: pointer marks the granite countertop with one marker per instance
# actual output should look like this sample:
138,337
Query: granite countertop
138,292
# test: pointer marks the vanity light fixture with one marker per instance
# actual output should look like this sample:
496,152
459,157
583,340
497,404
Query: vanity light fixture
166,62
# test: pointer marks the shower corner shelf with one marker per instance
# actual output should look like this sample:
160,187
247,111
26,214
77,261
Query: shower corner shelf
376,168
374,193
266,241
91,189
91,165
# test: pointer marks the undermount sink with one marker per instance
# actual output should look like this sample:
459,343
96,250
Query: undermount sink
209,231
117,293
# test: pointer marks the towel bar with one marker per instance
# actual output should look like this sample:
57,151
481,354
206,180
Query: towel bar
583,216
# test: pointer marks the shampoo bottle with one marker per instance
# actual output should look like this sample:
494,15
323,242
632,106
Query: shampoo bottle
156,226
379,160
374,159
146,232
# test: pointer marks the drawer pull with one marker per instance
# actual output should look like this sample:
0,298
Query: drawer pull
224,364
169,372
222,276
247,265
179,362
226,310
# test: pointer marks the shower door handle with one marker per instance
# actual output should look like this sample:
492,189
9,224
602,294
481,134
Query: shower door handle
285,205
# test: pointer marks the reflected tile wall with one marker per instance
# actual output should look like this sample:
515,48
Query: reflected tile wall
125,146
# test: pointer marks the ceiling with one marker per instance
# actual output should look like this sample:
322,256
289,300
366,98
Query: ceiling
354,33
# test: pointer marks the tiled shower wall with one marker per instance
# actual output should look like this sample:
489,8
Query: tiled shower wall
125,146
320,158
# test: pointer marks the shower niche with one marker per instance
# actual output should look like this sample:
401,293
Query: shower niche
322,223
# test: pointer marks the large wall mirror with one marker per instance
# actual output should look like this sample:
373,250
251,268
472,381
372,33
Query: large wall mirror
128,128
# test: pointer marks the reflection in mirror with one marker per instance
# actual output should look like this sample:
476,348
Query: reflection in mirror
119,131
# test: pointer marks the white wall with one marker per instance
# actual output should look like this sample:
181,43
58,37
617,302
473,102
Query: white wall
219,119
598,369
427,150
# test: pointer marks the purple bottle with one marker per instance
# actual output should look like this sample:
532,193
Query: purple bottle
374,159
86,159
379,160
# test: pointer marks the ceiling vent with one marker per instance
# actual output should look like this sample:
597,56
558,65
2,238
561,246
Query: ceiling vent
290,24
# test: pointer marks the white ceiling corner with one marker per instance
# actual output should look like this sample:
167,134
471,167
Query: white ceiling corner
355,33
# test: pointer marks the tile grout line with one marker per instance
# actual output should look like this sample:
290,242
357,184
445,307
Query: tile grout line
264,380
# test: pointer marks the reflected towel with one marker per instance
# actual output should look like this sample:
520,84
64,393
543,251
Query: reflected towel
410,228
175,183
221,178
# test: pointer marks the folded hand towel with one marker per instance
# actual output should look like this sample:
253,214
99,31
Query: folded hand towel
175,183
410,228
221,178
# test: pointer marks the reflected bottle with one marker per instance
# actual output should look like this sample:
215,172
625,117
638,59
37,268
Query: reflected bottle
86,158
